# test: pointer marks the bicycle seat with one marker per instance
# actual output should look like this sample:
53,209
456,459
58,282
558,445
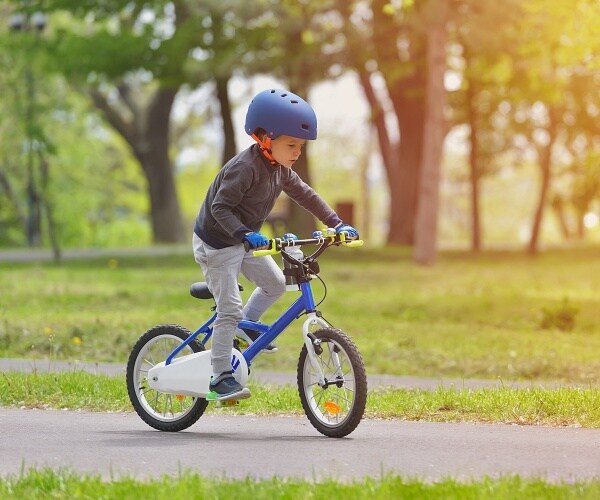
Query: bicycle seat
200,290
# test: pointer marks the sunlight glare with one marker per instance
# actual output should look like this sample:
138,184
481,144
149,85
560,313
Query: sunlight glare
590,220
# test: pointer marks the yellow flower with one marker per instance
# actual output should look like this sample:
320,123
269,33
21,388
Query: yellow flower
48,331
77,341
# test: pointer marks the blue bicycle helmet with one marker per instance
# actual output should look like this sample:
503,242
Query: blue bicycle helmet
280,112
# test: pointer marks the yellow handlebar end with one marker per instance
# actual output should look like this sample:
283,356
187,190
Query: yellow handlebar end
353,243
263,253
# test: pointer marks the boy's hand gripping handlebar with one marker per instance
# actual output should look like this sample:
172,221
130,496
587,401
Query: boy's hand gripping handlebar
277,244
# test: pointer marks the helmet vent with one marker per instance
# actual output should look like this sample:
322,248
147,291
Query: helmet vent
294,102
283,95
305,126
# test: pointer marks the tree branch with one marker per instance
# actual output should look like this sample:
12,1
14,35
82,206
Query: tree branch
113,117
128,99
12,197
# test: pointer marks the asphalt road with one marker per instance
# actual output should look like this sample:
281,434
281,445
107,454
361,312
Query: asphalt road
239,446
119,444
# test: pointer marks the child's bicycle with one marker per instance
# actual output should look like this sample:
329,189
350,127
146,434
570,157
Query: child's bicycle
169,368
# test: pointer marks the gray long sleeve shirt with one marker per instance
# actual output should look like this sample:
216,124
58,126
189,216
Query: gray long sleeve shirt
244,193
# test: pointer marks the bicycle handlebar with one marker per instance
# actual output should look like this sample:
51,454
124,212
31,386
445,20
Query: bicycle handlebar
277,244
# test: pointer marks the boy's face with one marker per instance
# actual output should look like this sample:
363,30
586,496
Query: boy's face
286,150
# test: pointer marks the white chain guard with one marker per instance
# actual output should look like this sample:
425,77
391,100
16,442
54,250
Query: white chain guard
190,375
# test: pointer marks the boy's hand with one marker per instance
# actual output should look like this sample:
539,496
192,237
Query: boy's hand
351,233
256,240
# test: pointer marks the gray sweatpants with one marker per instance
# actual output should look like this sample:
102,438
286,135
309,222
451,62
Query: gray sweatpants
221,268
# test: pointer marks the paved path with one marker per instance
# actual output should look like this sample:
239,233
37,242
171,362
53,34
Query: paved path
263,447
45,254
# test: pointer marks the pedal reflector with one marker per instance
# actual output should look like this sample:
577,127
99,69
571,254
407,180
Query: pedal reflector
226,403
180,397
332,407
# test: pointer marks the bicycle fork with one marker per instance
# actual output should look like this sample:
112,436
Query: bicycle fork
313,345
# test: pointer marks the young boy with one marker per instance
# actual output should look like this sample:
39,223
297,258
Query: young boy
236,205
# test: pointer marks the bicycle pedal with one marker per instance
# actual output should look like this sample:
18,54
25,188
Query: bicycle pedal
231,399
239,343
227,403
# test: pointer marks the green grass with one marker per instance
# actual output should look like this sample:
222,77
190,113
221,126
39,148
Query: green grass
45,483
487,316
497,315
564,406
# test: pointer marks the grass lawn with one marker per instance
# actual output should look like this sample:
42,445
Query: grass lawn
46,483
563,406
500,315
495,315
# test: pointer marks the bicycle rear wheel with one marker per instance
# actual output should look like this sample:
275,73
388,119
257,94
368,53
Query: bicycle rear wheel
165,412
336,408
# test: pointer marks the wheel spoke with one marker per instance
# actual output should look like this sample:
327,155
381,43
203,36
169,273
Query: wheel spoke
336,409
160,410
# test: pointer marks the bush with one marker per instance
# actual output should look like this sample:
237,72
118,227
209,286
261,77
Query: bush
561,317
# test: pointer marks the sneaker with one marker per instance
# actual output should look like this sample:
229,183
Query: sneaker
253,335
227,388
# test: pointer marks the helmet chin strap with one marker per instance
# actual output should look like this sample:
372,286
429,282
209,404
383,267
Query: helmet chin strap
265,147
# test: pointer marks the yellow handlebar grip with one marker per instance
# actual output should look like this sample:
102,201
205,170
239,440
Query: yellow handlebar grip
353,243
263,253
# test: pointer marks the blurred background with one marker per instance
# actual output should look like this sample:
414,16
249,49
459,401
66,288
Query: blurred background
463,124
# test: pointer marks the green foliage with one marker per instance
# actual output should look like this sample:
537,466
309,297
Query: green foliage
540,55
561,317
95,192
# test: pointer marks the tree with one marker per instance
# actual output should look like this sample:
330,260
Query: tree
388,42
20,61
484,65
299,50
133,57
555,51
434,132
110,51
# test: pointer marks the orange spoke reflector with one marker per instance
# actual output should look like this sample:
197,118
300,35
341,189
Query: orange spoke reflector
331,407
180,397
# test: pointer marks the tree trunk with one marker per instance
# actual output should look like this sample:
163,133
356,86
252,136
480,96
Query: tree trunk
147,134
153,152
434,131
475,169
301,222
388,151
401,161
13,199
406,191
48,209
408,100
229,146
561,217
545,157
365,198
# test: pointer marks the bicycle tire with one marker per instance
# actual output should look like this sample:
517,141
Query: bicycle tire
336,409
165,412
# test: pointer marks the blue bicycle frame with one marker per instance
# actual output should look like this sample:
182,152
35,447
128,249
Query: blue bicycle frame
304,303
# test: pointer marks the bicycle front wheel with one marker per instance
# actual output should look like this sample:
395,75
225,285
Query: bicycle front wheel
336,408
165,412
